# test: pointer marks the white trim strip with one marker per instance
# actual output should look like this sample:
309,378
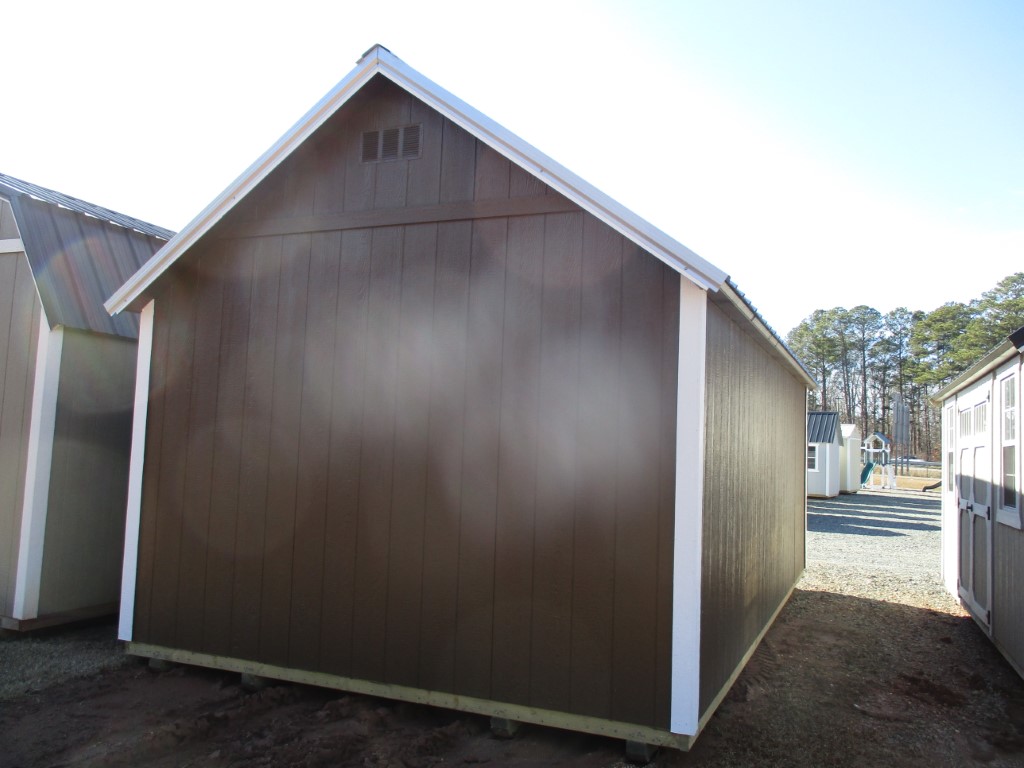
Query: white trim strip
43,420
14,245
379,59
133,515
689,510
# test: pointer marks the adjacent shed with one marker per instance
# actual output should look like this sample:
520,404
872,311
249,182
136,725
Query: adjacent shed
982,536
424,415
824,441
66,389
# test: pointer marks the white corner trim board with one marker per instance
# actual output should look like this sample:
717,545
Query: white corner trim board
129,567
43,419
689,505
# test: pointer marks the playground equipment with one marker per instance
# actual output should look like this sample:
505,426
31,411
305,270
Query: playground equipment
877,449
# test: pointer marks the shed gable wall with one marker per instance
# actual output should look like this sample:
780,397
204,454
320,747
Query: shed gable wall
20,314
89,473
438,454
753,545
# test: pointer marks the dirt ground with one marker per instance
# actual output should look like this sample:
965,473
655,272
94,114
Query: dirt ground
838,681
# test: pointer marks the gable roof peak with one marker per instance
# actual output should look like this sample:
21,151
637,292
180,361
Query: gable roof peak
380,60
373,51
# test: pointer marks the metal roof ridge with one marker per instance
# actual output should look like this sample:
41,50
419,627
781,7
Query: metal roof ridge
62,200
379,59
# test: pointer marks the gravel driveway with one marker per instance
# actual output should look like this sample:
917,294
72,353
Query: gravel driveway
878,544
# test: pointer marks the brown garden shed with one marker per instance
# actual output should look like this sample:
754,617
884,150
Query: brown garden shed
66,395
426,416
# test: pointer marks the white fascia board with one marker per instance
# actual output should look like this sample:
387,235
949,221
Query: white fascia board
35,501
684,716
133,516
240,187
379,59
996,357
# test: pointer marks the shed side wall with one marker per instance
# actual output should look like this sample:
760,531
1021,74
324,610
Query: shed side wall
434,454
20,315
1007,605
753,496
89,473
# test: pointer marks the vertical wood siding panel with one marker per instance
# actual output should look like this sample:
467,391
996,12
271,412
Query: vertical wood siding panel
415,354
234,273
142,630
517,468
556,462
286,404
360,177
425,172
666,500
201,417
346,445
492,174
480,458
593,554
524,184
1007,607
636,515
458,160
332,163
19,328
444,471
369,626
392,176
308,565
256,440
300,173
180,344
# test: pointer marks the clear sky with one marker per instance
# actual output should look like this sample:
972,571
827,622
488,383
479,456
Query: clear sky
823,152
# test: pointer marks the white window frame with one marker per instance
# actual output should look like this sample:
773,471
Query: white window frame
1011,515
812,456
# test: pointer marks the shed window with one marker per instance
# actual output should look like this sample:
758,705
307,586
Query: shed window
965,422
1009,497
399,143
981,418
812,458
950,438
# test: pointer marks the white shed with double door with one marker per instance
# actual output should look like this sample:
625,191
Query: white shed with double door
982,537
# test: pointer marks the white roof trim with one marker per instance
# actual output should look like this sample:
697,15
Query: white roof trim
380,60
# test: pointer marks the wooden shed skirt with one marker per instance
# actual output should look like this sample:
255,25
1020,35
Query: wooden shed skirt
544,717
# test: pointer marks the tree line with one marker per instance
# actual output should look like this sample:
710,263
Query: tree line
862,358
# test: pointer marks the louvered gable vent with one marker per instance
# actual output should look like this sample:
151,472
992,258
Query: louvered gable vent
401,143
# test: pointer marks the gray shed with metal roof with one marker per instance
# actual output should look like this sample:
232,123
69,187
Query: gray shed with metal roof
66,393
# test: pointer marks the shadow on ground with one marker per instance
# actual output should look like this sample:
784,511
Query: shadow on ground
845,681
873,514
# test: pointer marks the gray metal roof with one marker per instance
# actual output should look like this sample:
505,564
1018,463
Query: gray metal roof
79,253
81,206
823,427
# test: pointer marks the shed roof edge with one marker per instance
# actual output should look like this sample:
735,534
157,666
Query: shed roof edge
380,60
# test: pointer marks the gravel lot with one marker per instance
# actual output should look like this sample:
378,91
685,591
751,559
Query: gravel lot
870,663
880,545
